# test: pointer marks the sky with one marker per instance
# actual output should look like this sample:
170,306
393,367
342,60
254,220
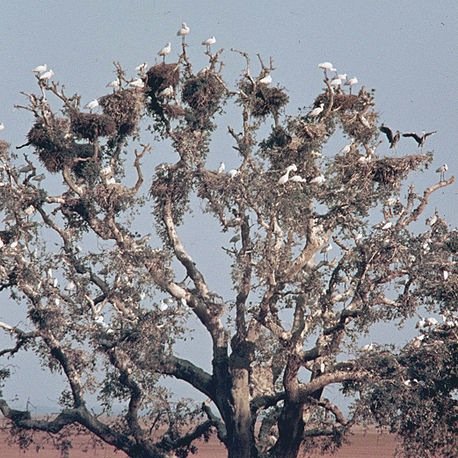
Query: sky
406,50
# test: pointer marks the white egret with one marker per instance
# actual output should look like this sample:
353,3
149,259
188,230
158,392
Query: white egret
232,173
222,167
40,68
266,80
92,104
165,51
298,179
445,274
183,31
433,220
167,92
284,178
387,225
420,139
46,75
392,138
2,126
137,83
208,42
115,84
336,82
319,180
342,77
141,69
368,347
326,67
351,82
346,149
441,170
317,111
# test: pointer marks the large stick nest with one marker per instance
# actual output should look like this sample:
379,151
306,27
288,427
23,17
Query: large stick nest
264,100
90,125
124,108
203,93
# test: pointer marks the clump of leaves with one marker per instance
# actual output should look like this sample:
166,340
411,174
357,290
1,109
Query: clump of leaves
124,108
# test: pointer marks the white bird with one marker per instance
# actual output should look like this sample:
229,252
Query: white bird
141,69
319,180
441,170
432,221
2,126
232,173
40,68
222,167
326,66
351,82
165,51
92,104
70,286
208,42
346,149
163,306
445,275
183,31
368,347
317,111
298,179
167,92
266,80
46,75
284,178
336,82
115,84
138,83
342,76
365,122
387,225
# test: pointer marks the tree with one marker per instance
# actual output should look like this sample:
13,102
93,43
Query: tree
324,246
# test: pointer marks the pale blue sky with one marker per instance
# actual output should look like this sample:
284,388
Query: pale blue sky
406,50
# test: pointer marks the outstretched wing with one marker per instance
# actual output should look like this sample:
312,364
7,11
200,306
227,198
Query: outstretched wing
388,132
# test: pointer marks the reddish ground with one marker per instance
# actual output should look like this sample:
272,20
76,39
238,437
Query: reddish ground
370,444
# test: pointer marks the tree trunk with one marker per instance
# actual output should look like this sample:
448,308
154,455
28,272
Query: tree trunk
291,430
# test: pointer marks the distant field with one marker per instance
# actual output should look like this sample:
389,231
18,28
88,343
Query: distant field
363,445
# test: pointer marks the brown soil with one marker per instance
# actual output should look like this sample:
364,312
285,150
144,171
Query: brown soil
369,444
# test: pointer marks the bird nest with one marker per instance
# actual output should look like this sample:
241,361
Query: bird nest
203,93
264,100
53,143
173,111
161,76
91,125
388,171
124,108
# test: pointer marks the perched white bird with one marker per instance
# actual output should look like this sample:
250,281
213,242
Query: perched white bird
92,104
232,173
342,76
141,69
46,75
298,179
336,82
319,180
387,225
368,347
115,84
167,92
284,178
445,275
138,83
40,68
351,82
432,221
441,170
222,167
346,149
266,80
317,111
208,42
165,51
183,30
326,66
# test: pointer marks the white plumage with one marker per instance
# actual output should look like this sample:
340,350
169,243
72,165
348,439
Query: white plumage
92,104
183,30
46,75
266,80
138,83
166,50
40,68
317,111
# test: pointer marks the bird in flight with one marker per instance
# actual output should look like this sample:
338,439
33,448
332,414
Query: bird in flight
392,138
420,139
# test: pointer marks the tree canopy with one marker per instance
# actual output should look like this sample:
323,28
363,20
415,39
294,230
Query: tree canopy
323,244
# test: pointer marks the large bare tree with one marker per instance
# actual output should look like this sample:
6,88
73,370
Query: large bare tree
320,245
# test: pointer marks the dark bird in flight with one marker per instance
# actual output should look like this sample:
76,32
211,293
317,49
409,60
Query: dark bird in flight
420,139
393,139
